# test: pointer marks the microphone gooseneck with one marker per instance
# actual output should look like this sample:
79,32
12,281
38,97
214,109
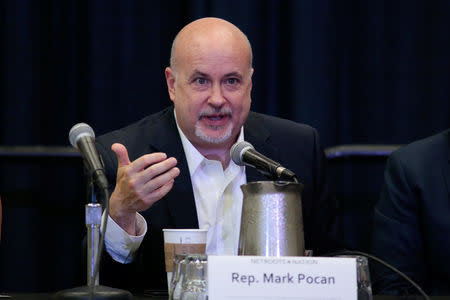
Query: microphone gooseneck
243,153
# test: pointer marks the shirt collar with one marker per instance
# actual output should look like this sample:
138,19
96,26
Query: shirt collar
193,156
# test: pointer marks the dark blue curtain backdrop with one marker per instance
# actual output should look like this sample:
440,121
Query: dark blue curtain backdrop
359,71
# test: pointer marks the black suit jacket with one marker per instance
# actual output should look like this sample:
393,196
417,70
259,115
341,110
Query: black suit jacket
412,219
294,145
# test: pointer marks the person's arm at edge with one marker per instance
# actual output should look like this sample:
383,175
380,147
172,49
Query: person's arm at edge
396,236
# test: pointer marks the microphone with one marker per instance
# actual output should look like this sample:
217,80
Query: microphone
243,153
82,137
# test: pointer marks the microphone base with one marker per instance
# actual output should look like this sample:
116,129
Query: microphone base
98,292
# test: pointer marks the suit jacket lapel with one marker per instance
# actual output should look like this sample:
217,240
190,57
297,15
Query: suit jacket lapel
256,134
180,199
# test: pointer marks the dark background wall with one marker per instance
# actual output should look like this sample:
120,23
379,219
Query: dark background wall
359,71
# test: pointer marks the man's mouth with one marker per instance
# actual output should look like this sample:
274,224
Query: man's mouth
215,119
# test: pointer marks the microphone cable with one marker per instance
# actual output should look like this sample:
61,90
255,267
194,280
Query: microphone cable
382,262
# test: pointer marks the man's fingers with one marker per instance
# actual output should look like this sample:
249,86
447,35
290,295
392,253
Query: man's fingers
147,160
122,154
159,168
161,180
139,164
161,192
142,182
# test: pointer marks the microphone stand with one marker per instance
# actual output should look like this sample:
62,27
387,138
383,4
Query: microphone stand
94,291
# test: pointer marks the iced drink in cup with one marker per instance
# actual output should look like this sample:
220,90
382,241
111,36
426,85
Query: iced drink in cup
182,241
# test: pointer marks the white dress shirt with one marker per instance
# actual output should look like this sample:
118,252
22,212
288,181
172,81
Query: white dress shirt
218,200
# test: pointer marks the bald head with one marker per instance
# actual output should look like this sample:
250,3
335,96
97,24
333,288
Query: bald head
209,32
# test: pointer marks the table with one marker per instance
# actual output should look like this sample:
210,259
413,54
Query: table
50,296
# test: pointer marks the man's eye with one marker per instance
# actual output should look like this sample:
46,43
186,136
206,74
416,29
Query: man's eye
200,81
232,81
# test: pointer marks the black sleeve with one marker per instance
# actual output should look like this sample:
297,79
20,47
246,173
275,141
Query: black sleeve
396,234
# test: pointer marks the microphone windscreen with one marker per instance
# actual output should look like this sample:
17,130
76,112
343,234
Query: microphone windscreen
79,130
238,150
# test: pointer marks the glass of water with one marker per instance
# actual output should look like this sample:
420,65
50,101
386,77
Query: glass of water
179,267
363,277
194,278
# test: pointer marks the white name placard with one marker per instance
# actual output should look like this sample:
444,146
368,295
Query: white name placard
257,277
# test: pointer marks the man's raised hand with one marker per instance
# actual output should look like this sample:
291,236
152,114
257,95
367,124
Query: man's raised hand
139,184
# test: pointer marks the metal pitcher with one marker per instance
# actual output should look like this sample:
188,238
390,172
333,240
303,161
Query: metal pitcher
272,222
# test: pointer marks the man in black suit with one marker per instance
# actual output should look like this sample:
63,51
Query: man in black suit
173,169
412,218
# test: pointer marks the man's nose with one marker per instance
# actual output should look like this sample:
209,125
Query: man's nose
216,98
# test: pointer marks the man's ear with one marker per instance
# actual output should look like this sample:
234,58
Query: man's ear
170,80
